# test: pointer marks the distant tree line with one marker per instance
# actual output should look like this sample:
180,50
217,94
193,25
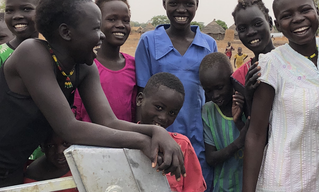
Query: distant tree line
162,19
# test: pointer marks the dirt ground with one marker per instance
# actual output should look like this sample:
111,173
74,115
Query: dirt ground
130,45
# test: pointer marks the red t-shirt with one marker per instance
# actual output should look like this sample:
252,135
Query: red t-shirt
27,180
194,181
241,72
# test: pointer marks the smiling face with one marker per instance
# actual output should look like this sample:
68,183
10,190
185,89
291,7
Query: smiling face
180,12
19,17
253,29
297,20
217,86
53,149
160,107
115,22
87,34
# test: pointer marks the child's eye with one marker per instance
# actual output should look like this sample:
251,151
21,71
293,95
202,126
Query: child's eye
27,9
258,24
190,4
8,11
66,144
306,10
172,113
286,16
241,29
220,87
159,108
126,21
172,4
111,19
49,146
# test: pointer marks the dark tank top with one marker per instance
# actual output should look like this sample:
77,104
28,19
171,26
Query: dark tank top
23,127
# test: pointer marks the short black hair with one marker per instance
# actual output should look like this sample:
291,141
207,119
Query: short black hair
166,79
275,1
100,2
217,61
243,4
50,14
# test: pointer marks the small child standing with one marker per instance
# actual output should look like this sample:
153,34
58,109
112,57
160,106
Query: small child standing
239,58
223,121
19,17
159,104
229,50
52,165
116,69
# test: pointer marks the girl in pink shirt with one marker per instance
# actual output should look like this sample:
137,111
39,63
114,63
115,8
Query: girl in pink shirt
116,69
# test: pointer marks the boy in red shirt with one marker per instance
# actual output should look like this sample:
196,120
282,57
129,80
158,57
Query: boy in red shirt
159,104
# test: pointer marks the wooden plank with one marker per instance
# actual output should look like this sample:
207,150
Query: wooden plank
43,186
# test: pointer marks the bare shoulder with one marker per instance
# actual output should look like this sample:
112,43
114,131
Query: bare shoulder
30,52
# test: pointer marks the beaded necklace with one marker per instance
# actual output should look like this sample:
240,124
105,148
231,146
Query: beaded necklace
313,55
67,83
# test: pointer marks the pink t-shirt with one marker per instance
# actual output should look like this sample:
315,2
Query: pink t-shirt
120,89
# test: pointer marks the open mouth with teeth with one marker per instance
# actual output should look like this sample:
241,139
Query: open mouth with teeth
20,27
181,19
254,41
301,31
119,34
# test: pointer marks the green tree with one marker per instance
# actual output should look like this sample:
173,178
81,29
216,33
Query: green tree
200,24
222,24
159,19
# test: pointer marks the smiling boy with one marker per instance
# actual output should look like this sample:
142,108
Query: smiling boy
159,103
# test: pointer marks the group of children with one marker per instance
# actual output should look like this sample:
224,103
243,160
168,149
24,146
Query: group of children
258,132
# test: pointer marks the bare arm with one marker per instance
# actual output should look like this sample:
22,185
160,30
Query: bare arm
256,135
214,157
36,73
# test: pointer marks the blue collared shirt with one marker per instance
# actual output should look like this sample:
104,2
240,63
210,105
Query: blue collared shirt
156,53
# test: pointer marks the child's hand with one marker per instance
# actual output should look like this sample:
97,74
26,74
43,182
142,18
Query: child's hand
237,107
173,158
251,82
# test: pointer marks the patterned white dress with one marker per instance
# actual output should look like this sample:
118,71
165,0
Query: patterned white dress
291,158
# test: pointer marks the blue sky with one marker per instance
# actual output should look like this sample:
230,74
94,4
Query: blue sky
208,10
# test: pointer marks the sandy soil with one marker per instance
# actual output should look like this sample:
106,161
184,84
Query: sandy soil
130,45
